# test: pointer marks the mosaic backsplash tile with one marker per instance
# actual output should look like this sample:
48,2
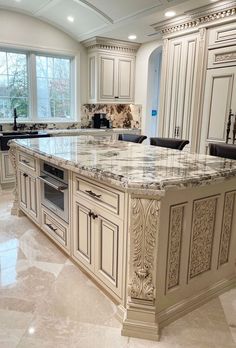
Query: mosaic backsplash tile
121,115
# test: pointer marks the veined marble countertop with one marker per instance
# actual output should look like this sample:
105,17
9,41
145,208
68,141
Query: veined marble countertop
84,131
131,166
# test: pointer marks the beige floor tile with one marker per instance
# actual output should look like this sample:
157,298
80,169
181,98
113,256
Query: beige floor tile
12,327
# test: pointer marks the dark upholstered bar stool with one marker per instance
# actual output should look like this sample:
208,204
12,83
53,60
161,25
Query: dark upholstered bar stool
222,150
134,138
171,143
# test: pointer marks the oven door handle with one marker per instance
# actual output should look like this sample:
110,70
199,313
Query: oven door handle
56,187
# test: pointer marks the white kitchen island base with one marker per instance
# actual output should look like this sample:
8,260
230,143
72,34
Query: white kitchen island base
154,227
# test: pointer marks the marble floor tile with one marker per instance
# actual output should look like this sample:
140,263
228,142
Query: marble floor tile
78,293
47,302
13,325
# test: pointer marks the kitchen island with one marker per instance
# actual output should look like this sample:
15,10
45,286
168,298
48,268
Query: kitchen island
154,227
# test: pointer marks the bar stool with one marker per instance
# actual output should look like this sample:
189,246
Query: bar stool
222,150
170,143
134,138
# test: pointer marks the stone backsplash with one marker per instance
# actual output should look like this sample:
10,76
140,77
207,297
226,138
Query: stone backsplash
121,115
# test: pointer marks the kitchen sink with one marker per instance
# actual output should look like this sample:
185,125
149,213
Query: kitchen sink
6,136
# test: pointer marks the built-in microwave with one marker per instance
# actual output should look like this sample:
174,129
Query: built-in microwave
54,189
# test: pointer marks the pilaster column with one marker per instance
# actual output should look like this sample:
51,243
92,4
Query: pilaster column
140,320
15,210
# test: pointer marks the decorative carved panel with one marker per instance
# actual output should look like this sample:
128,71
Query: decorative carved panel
174,244
203,226
224,57
144,234
226,228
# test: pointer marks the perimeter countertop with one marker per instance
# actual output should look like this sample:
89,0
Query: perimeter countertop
131,166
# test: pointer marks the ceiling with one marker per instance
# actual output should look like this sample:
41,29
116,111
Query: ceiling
110,18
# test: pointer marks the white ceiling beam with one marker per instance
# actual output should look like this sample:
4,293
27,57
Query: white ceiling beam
96,10
46,7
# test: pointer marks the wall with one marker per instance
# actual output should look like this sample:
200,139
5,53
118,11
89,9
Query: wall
26,32
142,87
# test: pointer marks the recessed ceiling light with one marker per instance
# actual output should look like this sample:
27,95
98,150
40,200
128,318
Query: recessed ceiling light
132,37
31,330
170,13
70,19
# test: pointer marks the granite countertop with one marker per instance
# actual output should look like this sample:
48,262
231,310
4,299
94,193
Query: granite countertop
130,166
78,131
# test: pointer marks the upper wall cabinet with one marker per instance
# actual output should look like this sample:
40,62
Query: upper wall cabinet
111,66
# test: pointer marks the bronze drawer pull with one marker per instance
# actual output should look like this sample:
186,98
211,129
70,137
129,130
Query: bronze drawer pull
25,175
93,194
25,161
52,228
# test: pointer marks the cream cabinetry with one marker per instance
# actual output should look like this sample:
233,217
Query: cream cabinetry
98,242
220,92
111,66
113,80
28,194
7,172
178,86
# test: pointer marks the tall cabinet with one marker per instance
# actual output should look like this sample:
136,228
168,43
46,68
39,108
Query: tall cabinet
111,67
198,80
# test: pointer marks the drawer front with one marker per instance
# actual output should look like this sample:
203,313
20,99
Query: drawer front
222,36
54,229
27,162
222,57
106,197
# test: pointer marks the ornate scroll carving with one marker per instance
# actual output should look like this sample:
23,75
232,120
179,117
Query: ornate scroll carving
144,234
203,226
175,240
224,57
12,156
226,228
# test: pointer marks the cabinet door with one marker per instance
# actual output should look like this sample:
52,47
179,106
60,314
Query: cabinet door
82,248
220,91
32,199
22,188
179,86
107,77
108,252
8,174
125,78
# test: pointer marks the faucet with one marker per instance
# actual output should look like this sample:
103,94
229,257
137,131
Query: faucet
15,117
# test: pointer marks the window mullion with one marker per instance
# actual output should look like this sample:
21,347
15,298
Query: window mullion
32,87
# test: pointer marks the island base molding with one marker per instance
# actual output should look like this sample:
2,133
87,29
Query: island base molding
184,307
140,322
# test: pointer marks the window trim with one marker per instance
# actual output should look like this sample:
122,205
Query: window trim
32,84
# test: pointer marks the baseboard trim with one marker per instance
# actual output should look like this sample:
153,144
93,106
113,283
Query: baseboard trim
178,310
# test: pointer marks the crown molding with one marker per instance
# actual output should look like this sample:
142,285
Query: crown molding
99,42
202,16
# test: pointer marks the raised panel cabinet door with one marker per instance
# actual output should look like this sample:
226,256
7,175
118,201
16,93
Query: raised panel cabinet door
82,249
108,252
220,92
22,187
8,174
32,200
92,77
125,78
107,78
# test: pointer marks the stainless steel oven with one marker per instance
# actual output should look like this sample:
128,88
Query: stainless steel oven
54,189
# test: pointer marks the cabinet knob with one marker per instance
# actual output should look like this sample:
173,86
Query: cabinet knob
94,216
25,175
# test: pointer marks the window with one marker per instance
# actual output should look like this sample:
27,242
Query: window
53,87
49,97
13,85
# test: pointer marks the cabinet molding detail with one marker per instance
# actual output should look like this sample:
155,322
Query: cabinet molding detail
144,234
226,228
103,43
202,16
15,206
203,226
225,57
175,242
